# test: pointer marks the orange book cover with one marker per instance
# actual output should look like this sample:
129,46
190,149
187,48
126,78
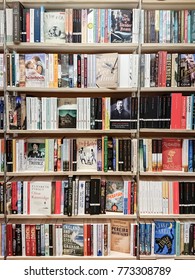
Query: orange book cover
172,154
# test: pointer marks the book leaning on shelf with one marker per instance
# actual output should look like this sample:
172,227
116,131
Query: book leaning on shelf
73,196
52,70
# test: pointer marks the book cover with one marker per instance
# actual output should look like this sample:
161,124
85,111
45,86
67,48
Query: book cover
165,236
67,112
120,236
86,154
107,70
35,65
54,26
35,155
73,240
121,26
186,66
39,198
120,113
114,195
171,154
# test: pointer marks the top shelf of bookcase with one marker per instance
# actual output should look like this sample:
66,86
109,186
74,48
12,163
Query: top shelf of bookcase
61,4
168,4
170,47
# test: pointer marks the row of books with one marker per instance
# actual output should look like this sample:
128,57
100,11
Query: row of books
72,25
72,154
34,113
169,26
53,70
163,69
164,197
167,238
174,111
83,239
167,154
72,197
2,239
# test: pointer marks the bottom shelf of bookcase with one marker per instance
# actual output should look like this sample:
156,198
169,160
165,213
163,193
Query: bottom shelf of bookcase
113,256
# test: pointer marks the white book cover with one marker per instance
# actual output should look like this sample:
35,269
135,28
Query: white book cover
39,198
9,27
81,198
54,26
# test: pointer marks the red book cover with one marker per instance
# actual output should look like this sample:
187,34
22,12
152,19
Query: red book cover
28,26
172,154
14,200
164,68
88,240
27,240
159,69
176,110
183,112
28,198
33,240
85,238
9,239
175,197
58,188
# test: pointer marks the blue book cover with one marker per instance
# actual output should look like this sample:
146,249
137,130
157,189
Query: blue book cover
165,236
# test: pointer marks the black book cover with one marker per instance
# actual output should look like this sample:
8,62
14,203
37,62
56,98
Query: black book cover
191,239
87,196
18,240
95,194
70,190
38,240
50,239
103,197
17,21
181,197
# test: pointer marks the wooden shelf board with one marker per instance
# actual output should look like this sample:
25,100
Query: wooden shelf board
168,174
156,257
79,217
71,131
171,131
171,47
167,216
2,258
113,256
70,173
168,133
166,89
2,216
167,4
1,89
74,47
81,91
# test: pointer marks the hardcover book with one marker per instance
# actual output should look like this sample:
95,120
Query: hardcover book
73,239
171,154
120,236
120,113
35,155
67,112
107,70
86,154
39,198
54,26
114,195
121,26
165,237
35,66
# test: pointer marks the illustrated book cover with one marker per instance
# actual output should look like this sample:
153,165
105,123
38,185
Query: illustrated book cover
114,195
73,239
54,26
107,70
35,65
171,154
67,112
121,26
165,236
86,154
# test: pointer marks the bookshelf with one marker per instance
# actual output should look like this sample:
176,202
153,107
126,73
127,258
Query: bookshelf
139,91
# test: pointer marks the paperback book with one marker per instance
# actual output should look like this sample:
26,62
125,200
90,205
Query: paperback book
165,237
114,195
86,154
73,240
54,26
35,155
67,112
35,65
120,113
120,236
